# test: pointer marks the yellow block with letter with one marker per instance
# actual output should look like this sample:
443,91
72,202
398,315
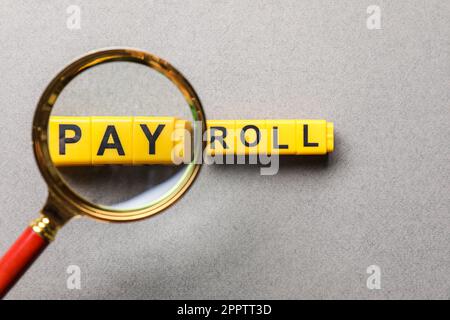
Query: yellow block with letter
284,137
162,140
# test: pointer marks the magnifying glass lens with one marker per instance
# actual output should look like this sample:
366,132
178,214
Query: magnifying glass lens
118,135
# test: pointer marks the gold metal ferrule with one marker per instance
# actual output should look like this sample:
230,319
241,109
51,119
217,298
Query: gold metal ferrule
45,228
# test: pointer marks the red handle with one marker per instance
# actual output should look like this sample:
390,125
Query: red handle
19,258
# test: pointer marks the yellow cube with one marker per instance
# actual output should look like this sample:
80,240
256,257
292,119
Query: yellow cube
152,140
112,140
282,136
221,137
70,140
252,137
311,137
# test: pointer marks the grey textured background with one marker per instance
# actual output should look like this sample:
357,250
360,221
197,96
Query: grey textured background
309,232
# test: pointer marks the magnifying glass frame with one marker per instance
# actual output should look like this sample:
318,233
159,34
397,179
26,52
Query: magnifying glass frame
63,201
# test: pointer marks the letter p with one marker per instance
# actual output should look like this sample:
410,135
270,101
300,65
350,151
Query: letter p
63,140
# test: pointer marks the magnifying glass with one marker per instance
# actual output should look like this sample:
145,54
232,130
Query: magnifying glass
115,193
